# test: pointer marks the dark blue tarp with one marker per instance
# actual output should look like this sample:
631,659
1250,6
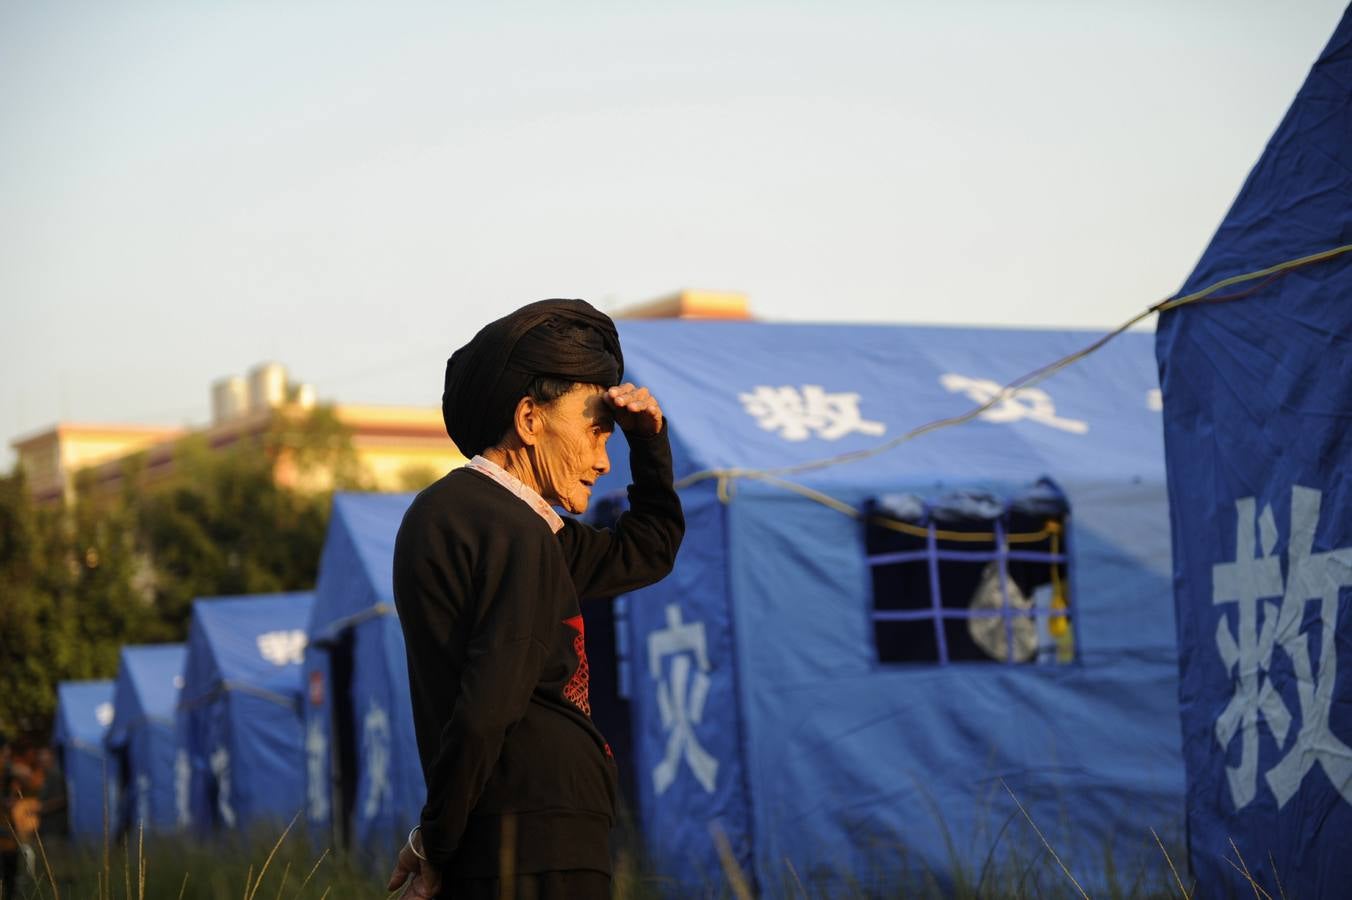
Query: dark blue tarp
1258,427
760,711
141,738
241,759
355,634
84,710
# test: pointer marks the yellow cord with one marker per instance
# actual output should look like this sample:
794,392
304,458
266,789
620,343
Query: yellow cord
1059,626
983,537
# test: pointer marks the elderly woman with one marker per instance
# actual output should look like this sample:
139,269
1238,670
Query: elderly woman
521,787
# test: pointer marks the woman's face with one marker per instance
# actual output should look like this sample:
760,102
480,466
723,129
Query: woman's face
570,452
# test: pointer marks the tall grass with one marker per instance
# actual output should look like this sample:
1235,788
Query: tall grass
163,868
286,867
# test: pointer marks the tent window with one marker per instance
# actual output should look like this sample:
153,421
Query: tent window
971,578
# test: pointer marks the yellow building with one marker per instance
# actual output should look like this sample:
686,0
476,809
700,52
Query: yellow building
400,447
397,448
51,457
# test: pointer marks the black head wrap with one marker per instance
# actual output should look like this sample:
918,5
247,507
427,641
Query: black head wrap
565,339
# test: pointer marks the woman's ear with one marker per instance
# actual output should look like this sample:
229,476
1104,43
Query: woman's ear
527,421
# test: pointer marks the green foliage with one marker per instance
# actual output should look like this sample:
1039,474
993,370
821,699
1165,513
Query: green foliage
26,609
63,605
80,581
224,526
317,442
162,868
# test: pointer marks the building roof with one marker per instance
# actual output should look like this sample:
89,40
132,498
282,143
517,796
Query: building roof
118,429
689,304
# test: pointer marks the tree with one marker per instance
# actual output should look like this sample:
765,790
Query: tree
26,618
79,582
223,526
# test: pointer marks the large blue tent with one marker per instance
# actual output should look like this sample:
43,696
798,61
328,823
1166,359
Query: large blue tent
855,664
84,710
141,738
240,761
362,765
1257,413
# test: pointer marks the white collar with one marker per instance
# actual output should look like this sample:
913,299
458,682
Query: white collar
487,467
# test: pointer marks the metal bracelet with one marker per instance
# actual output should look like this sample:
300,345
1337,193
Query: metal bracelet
412,831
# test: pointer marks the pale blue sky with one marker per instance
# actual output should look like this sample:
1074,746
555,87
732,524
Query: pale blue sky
188,188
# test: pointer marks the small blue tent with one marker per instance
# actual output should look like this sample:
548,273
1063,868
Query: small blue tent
851,660
241,757
1257,409
361,752
84,710
141,740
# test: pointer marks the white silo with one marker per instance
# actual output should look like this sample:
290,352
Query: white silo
267,386
229,399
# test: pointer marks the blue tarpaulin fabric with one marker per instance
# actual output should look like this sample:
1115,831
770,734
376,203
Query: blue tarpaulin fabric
761,712
354,629
240,760
141,738
1257,416
84,710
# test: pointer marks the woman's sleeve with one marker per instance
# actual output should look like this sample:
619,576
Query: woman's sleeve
641,548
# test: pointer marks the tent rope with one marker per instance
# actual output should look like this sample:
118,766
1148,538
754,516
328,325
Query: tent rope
726,478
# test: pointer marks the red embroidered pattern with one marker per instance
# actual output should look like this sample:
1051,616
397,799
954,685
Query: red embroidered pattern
576,691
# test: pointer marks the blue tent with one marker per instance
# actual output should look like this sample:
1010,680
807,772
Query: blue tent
84,710
1257,407
358,717
241,758
851,661
141,738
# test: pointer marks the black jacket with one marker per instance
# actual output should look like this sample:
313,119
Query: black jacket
488,600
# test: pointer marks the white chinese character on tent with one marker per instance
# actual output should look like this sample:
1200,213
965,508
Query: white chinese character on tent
1256,575
282,648
182,785
681,699
316,771
220,767
1029,403
799,414
376,744
104,714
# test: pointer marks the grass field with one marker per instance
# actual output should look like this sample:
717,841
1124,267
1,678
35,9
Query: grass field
288,869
